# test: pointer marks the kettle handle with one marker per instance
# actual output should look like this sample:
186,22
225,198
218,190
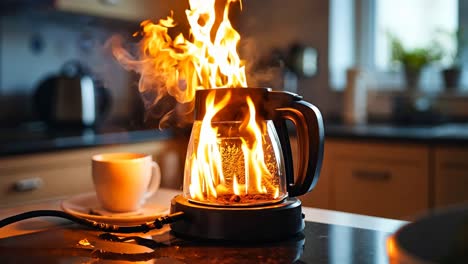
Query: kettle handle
310,134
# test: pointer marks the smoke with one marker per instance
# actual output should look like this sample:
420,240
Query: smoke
262,70
172,67
162,109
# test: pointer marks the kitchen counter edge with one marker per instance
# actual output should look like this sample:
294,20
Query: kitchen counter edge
433,135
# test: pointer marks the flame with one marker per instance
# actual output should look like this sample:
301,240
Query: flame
207,172
177,67
254,156
208,177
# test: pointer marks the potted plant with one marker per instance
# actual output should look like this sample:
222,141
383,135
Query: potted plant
412,60
452,57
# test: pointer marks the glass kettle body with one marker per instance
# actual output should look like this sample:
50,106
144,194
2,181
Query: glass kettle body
239,152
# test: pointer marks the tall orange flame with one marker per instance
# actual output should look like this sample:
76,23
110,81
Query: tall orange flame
180,66
228,159
207,172
176,68
254,156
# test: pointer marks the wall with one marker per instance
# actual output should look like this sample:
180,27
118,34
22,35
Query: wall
35,45
276,24
271,25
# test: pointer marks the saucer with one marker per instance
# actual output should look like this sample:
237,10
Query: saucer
87,206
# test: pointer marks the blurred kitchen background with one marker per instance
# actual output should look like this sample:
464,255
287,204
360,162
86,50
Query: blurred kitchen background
39,37
373,67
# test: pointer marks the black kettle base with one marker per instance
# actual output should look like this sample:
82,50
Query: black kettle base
250,224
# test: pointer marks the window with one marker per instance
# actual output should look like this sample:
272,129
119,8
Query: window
416,23
359,36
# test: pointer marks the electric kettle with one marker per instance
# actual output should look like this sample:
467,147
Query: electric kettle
239,152
71,98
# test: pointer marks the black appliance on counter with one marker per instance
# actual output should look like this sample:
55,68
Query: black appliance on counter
72,98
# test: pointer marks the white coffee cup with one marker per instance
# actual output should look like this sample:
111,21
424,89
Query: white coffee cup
123,181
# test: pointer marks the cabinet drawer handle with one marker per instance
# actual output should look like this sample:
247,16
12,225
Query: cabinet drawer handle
373,175
29,184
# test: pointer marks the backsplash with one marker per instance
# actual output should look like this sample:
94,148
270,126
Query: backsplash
277,25
33,46
39,45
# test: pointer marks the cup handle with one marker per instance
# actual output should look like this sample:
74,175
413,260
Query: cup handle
155,180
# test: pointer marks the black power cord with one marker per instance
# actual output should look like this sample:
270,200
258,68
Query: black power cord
143,228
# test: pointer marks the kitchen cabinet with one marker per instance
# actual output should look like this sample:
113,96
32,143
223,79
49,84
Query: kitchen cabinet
389,178
380,179
132,10
450,176
32,177
123,10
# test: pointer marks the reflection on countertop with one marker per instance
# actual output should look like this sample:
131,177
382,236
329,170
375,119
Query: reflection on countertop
318,243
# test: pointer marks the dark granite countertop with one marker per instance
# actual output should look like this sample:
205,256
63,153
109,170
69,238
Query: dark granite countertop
34,138
451,133
328,237
318,243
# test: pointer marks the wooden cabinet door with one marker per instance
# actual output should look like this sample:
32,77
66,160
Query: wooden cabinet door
40,184
451,176
383,180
